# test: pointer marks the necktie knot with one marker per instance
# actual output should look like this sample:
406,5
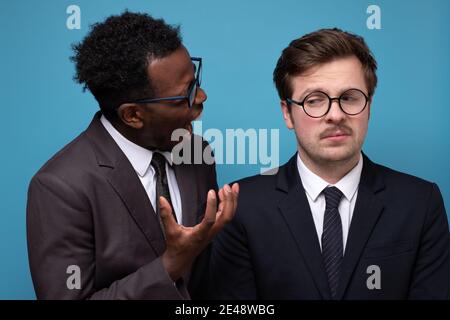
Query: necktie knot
159,164
332,197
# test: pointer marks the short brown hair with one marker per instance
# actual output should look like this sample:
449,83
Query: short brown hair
320,47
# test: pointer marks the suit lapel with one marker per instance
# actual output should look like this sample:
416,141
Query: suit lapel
122,177
127,185
365,216
297,214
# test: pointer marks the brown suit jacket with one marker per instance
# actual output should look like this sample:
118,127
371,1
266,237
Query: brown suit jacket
87,208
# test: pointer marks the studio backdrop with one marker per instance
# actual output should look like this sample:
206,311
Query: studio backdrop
240,42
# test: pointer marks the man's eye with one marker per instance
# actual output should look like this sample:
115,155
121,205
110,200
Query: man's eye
314,101
178,102
348,98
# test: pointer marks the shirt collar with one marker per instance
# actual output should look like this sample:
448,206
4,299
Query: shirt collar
314,185
139,157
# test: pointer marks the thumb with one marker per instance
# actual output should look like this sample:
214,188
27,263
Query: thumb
165,212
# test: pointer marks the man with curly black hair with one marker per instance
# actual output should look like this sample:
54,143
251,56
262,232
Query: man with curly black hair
111,216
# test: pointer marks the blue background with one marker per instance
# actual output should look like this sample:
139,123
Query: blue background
240,41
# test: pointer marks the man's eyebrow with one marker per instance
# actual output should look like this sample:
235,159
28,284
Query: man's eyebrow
187,85
184,90
311,90
314,89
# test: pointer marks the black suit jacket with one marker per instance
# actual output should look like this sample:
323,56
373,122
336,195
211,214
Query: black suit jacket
271,249
87,207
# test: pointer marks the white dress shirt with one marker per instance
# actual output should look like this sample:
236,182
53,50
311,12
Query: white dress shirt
140,158
314,185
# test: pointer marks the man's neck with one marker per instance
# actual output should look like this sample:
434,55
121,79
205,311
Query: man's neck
128,133
330,171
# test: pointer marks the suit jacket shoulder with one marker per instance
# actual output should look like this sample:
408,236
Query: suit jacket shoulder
87,208
271,250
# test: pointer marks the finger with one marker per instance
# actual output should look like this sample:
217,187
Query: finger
166,214
209,218
224,197
228,205
221,198
235,195
225,204
235,188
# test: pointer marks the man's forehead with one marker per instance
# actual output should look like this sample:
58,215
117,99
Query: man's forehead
335,75
176,63
172,71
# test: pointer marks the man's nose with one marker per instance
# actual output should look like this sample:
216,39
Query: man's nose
335,114
200,96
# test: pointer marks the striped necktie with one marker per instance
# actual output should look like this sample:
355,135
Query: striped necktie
332,242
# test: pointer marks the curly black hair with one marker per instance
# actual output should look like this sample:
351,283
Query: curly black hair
112,60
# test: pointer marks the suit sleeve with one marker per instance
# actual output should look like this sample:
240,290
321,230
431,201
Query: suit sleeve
232,275
61,249
431,276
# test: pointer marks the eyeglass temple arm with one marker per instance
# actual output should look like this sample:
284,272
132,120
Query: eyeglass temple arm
160,99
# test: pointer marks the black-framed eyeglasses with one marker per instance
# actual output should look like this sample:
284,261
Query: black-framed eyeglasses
192,90
318,103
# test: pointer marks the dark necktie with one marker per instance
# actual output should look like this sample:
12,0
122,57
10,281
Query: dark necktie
332,244
162,185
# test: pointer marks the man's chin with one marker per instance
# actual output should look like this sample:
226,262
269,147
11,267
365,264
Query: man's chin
183,136
189,128
339,154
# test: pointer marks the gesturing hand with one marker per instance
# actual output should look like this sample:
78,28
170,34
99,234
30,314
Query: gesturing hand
183,244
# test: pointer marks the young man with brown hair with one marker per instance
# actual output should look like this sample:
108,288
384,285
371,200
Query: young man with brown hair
331,224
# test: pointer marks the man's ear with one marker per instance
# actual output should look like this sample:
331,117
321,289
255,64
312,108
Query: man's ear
131,114
287,117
